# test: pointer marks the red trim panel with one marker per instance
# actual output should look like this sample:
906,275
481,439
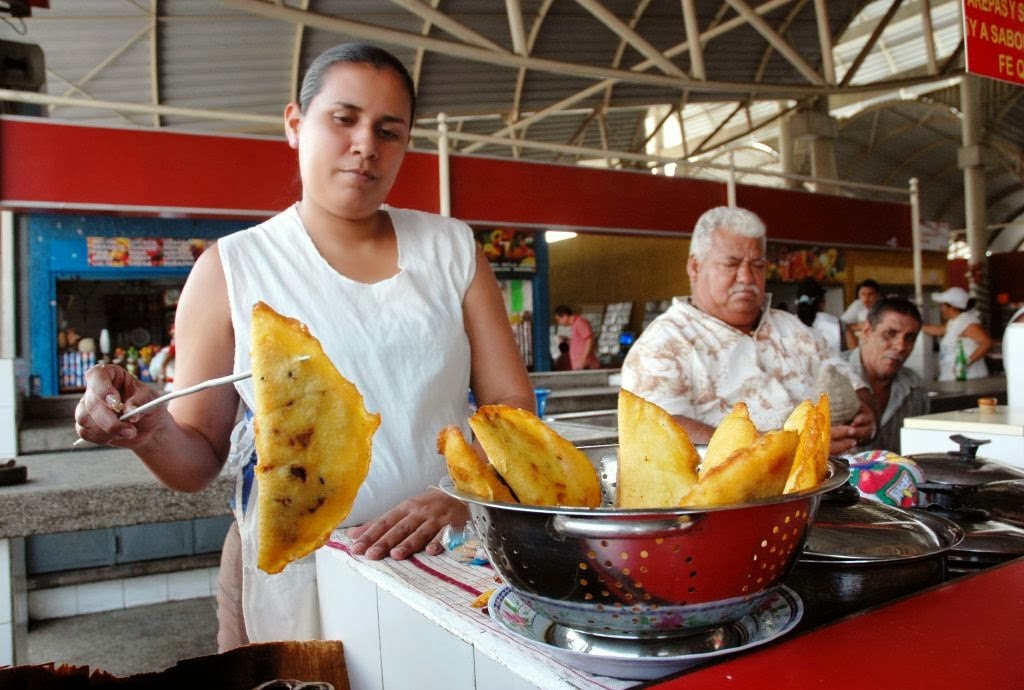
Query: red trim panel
54,165
966,633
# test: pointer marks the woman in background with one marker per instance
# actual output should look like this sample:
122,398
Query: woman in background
960,325
809,302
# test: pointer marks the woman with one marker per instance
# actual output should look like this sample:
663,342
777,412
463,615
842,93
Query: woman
810,299
961,324
404,303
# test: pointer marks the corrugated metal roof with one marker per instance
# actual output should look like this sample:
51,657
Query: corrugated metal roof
585,77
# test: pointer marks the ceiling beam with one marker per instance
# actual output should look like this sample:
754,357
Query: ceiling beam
516,28
620,48
445,22
692,25
144,108
776,41
828,66
870,44
154,58
928,34
560,67
630,36
295,75
712,33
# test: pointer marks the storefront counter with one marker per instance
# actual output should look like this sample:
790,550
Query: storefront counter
944,396
80,490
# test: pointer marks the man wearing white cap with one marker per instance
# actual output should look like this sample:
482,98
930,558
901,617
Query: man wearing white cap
960,325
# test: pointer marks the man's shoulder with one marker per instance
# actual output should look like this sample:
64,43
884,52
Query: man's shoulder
853,313
784,322
910,378
416,219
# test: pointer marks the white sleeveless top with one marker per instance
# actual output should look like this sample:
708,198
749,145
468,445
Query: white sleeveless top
401,341
948,347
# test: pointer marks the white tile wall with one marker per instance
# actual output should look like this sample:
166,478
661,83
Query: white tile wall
7,385
148,589
188,584
74,600
100,596
6,644
6,613
8,411
59,602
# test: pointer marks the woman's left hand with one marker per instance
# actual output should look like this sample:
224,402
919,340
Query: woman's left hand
410,527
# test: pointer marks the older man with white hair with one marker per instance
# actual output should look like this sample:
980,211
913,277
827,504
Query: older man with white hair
724,344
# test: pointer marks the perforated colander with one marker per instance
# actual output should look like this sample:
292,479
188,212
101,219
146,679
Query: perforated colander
640,573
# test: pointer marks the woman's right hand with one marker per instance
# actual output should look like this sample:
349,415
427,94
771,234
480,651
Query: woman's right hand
110,392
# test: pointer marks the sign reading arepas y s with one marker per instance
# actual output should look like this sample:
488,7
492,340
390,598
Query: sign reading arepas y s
994,36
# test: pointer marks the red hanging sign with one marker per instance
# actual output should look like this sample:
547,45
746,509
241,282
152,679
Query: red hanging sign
994,37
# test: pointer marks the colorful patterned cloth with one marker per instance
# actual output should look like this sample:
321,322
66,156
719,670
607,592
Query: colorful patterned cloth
884,476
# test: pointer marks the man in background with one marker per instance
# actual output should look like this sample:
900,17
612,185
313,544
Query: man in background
724,344
888,338
582,344
855,316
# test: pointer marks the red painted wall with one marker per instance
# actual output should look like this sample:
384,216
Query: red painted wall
50,165
808,217
542,194
1005,271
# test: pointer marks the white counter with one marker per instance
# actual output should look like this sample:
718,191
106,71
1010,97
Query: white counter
1002,426
410,624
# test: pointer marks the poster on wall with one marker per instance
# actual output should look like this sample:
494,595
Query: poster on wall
137,252
788,263
935,235
508,250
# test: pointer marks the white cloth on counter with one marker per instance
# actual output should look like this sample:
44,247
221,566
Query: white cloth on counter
442,589
401,341
697,366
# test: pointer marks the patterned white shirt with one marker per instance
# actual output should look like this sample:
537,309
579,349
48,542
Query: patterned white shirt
694,365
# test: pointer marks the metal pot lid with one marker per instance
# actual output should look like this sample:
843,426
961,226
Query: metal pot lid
992,537
1003,500
982,534
963,467
871,532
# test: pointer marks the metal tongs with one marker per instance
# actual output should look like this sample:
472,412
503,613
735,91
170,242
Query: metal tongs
201,386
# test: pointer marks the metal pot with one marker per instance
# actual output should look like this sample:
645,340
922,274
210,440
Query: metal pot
987,542
645,573
948,475
862,553
1003,500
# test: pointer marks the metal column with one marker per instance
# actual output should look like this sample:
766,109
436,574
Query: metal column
971,160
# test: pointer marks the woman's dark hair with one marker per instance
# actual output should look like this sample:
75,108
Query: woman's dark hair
895,303
808,301
563,310
362,53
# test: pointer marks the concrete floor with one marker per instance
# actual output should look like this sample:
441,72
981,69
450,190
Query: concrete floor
129,641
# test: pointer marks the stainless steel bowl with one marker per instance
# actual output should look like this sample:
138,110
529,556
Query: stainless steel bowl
649,572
